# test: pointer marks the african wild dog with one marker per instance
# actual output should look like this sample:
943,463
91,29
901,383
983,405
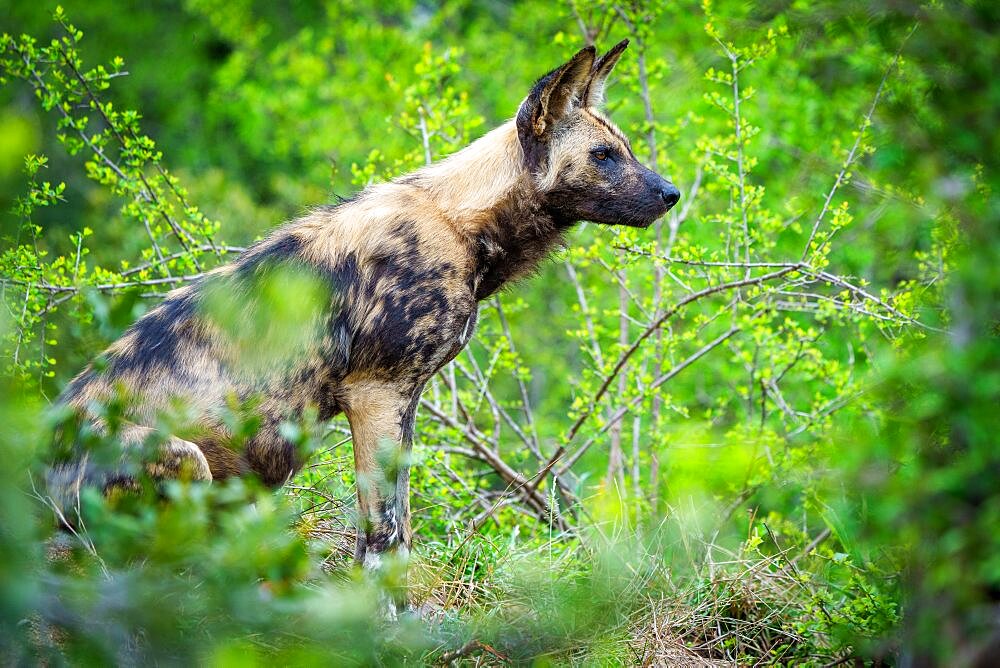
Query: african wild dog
406,263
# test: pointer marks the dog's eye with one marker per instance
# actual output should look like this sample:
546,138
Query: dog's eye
600,154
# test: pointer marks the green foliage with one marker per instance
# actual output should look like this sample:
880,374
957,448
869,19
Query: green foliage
761,430
121,159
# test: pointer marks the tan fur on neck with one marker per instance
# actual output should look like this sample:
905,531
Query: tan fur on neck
468,186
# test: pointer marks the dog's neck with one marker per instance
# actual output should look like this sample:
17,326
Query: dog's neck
487,193
467,185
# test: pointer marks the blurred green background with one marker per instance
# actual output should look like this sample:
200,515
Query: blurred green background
821,487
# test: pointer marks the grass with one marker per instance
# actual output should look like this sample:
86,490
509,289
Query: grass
615,597
225,566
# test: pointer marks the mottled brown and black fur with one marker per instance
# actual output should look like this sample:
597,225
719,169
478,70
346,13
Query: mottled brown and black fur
405,264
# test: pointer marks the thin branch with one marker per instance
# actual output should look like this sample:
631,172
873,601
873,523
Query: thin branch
525,401
516,482
660,380
581,297
148,193
656,324
853,154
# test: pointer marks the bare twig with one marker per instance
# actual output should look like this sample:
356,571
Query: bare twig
660,380
656,324
852,156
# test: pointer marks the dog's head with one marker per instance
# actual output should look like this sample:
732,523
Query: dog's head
581,162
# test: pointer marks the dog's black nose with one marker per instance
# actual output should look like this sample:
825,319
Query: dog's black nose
670,195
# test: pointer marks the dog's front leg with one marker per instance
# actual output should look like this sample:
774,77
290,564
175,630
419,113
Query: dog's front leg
381,417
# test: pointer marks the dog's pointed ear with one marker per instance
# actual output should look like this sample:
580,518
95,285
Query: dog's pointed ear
593,93
555,94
